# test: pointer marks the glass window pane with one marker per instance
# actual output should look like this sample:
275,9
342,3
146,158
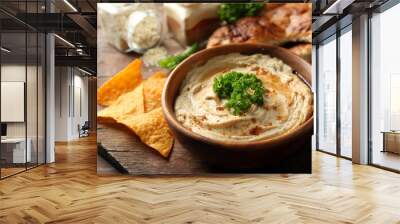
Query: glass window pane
314,88
13,85
346,94
23,85
385,114
41,98
327,96
31,97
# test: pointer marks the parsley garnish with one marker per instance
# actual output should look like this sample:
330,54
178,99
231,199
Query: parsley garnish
241,89
230,12
172,61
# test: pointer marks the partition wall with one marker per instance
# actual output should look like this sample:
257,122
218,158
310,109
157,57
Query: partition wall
23,92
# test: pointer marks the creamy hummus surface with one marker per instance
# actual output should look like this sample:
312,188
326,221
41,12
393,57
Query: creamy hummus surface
288,101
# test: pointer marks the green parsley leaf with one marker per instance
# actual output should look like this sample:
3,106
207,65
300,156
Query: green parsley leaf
230,12
172,61
241,89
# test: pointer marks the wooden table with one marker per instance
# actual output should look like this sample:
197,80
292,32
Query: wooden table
391,141
14,150
124,151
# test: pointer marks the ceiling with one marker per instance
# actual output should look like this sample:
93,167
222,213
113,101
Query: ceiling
72,20
332,15
16,42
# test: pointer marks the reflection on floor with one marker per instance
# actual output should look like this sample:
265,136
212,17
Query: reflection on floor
387,159
104,167
11,169
70,191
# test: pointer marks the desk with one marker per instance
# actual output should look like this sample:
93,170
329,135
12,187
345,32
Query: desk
18,149
391,141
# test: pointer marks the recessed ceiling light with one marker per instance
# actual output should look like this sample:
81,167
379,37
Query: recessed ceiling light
70,5
84,71
64,40
5,50
337,7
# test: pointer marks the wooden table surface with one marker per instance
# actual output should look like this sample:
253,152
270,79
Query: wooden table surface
121,147
126,153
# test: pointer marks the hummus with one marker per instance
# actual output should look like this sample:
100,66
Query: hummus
288,101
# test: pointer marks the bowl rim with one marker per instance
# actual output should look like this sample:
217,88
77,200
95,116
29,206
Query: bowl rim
170,117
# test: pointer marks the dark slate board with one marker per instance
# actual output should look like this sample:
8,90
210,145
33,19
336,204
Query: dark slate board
124,151
127,153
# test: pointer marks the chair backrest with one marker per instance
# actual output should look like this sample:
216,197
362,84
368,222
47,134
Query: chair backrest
86,125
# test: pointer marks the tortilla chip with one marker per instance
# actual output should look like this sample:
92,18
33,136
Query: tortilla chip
128,104
124,81
152,90
152,129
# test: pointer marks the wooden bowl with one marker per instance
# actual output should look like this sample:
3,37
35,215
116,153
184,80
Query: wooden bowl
234,155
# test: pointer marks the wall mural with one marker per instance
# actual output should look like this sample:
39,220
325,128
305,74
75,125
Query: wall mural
192,88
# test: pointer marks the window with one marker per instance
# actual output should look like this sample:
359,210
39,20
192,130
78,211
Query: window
385,89
346,92
314,89
22,78
327,96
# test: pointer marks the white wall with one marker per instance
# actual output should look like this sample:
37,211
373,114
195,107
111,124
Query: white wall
70,83
14,73
81,94
61,103
17,73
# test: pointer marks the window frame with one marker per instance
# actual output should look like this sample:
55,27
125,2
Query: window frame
27,29
334,37
381,9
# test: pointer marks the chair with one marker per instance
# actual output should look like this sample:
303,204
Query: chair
84,130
